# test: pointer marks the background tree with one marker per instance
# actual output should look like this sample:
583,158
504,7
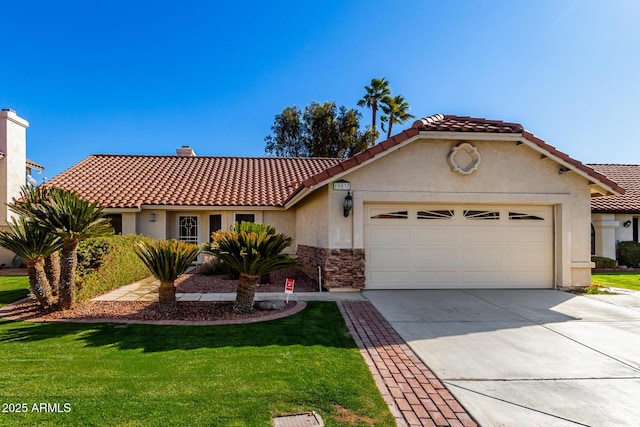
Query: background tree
374,94
322,130
396,111
72,219
31,242
286,139
167,260
253,250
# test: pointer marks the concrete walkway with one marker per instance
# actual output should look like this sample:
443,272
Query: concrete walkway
147,290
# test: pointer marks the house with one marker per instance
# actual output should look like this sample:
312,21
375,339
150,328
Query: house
15,168
615,218
452,202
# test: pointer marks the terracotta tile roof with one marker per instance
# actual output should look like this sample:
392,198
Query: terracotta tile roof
452,123
33,165
628,176
130,181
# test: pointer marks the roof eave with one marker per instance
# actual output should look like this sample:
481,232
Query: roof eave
33,165
600,185
352,164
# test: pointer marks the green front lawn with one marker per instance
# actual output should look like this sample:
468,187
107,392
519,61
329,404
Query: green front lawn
145,375
617,280
13,288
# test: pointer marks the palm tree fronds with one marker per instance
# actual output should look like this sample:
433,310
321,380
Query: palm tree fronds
167,259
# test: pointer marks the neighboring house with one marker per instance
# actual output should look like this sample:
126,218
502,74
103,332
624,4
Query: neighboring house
15,168
615,218
452,202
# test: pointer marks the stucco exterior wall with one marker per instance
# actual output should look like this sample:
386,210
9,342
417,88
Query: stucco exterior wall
508,174
284,222
624,234
312,220
13,143
165,225
606,229
609,230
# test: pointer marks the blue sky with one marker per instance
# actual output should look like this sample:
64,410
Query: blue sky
147,77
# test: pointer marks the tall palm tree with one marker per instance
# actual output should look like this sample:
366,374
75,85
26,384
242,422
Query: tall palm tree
72,219
252,254
167,260
29,198
31,242
373,96
395,109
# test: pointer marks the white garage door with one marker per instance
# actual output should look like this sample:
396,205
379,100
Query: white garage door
458,246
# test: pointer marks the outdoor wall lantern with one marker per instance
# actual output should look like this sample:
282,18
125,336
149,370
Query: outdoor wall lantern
348,204
152,217
627,223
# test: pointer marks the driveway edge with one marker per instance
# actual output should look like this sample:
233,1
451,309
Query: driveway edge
415,396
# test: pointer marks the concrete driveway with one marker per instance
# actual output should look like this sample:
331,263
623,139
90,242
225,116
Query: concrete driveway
526,357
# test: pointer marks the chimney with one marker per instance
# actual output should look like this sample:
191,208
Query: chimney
185,151
13,146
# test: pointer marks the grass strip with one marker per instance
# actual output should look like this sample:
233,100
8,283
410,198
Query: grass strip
617,280
13,288
146,375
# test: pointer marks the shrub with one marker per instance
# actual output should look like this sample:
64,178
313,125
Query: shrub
629,254
604,262
117,266
252,227
213,266
91,253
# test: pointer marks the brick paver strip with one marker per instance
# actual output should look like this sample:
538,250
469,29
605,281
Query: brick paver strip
415,396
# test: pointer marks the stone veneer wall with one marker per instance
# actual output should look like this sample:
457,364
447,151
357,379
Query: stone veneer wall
341,268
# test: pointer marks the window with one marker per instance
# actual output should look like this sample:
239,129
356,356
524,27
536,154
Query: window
392,215
440,214
635,228
188,229
481,215
215,224
116,222
593,240
240,217
526,217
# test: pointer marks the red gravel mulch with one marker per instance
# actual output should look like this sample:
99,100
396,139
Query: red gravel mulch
187,311
10,271
194,281
123,311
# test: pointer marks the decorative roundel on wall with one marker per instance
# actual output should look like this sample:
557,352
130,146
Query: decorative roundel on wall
464,158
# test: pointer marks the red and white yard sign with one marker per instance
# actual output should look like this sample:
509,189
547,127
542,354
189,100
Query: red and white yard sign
288,287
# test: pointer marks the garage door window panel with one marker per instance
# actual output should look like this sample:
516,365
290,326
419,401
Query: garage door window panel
439,214
517,216
482,215
392,215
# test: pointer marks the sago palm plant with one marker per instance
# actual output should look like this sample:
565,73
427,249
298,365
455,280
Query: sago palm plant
252,254
31,242
72,219
23,206
167,260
